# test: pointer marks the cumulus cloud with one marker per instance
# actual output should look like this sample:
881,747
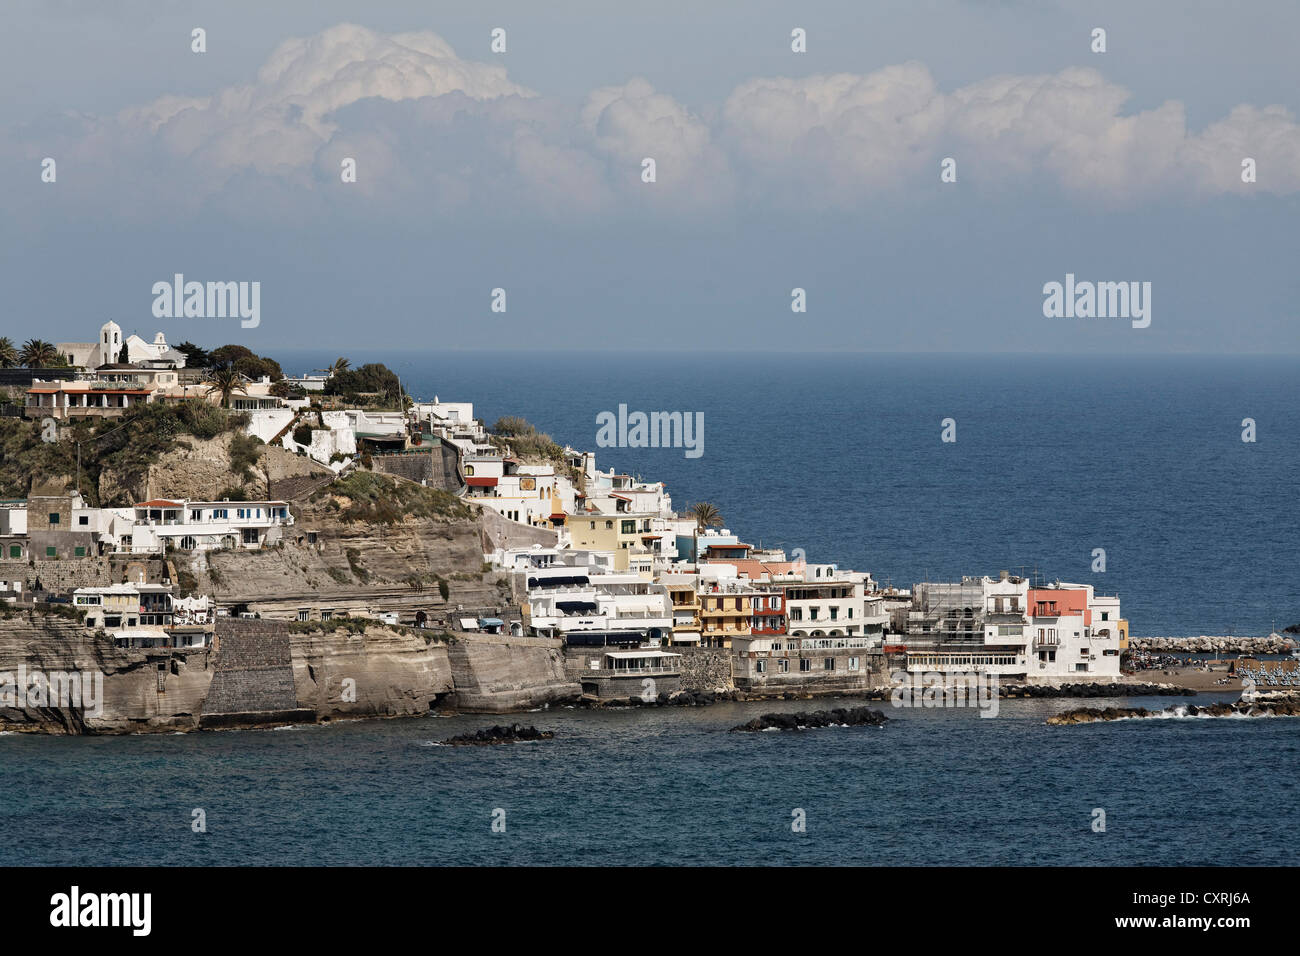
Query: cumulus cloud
851,136
633,122
282,119
434,133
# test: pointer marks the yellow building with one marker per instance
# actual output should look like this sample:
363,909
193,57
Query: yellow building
724,614
1123,635
619,533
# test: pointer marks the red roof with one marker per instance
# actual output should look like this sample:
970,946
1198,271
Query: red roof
487,481
159,503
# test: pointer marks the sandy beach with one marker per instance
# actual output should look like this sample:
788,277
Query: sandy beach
1197,677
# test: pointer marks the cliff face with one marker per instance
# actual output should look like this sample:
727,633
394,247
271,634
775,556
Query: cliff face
496,675
259,673
136,696
355,566
201,469
381,673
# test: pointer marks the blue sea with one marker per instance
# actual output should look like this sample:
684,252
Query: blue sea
668,786
840,456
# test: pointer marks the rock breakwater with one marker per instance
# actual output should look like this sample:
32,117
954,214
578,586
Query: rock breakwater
840,717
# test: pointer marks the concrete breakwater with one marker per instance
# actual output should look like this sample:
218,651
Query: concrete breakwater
266,673
1210,645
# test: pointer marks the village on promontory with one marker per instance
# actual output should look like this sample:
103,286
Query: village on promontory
231,546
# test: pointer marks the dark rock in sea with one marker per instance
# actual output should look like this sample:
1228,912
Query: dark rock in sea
499,735
840,717
1114,689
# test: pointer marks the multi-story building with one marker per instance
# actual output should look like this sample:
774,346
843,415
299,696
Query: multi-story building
529,494
598,609
206,525
827,608
1074,632
726,610
779,663
768,614
146,615
683,594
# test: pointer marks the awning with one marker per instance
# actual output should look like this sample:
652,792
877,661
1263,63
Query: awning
486,481
640,653
577,607
491,622
686,637
558,581
468,624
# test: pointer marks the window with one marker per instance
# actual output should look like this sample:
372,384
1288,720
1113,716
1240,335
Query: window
83,519
51,552
853,663
196,514
188,543
1105,615
828,664
805,663
628,527
15,550
79,552
303,613
760,666
469,471
54,517
783,665
250,536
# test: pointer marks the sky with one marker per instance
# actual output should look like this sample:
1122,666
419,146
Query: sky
522,170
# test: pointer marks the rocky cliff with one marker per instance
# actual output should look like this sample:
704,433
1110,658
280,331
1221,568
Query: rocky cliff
269,672
202,470
142,691
497,674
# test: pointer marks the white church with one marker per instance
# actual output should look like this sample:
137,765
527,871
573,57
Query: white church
112,350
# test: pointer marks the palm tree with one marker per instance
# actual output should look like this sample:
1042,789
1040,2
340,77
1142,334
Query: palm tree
8,354
706,516
37,353
340,364
225,381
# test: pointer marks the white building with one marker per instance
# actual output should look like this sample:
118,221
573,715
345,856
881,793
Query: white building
529,494
146,615
832,608
598,609
155,354
1075,633
206,525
